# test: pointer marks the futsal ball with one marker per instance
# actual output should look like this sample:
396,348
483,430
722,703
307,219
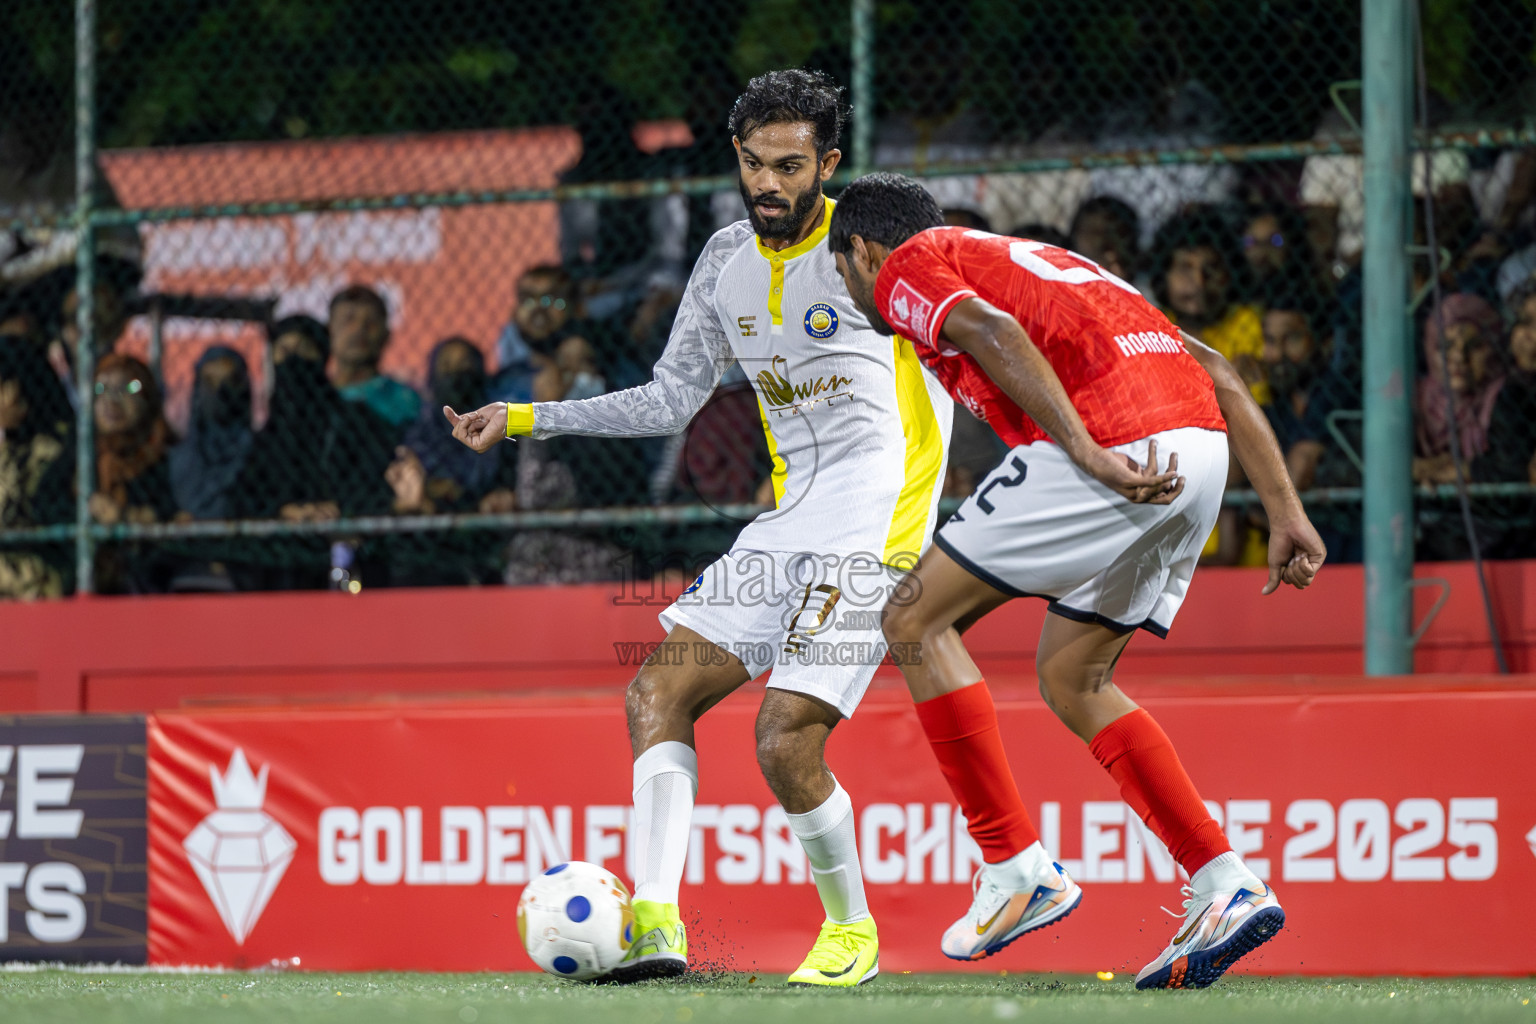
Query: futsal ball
575,920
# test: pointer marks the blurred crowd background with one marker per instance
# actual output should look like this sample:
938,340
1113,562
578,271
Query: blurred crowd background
310,234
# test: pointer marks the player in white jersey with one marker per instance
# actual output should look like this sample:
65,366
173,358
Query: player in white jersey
858,431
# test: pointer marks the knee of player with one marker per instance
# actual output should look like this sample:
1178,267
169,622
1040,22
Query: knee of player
775,754
782,750
901,624
1067,685
647,695
1057,684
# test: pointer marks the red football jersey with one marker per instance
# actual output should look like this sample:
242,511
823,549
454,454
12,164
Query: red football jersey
1122,363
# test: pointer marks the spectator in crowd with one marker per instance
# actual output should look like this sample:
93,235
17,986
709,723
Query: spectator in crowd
45,393
1276,251
1194,279
1107,231
359,330
1467,389
543,317
1305,389
1511,453
31,442
206,468
318,457
434,473
133,478
207,463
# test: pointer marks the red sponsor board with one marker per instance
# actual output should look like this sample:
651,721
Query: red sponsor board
1395,822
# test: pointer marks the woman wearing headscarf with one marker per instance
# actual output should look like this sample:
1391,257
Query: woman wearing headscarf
209,460
1463,387
452,477
319,457
31,441
1487,390
133,479
432,474
206,467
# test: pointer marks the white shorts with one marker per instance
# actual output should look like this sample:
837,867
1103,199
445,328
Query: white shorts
1038,526
813,619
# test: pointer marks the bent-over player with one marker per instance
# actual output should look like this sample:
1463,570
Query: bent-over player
1084,377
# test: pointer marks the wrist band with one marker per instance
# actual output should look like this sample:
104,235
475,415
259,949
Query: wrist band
519,420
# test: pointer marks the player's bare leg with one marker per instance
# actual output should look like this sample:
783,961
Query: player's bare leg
1019,888
792,731
685,677
1228,910
1075,666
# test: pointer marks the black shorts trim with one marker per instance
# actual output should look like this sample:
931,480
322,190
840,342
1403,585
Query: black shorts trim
975,570
1052,604
1078,615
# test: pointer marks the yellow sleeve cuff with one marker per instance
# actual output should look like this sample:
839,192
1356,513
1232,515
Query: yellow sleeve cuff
519,420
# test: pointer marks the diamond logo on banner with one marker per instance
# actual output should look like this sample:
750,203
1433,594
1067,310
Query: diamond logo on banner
1530,837
239,852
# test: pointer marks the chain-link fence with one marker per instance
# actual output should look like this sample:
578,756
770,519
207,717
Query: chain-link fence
312,223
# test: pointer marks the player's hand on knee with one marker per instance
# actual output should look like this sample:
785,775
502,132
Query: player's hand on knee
482,428
1296,553
1142,484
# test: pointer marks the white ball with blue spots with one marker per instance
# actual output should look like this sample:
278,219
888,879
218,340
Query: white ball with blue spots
575,921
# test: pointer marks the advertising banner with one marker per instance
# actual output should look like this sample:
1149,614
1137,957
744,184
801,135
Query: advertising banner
72,840
1398,827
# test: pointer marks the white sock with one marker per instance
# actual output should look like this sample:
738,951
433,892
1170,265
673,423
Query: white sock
1223,874
827,835
1028,867
666,781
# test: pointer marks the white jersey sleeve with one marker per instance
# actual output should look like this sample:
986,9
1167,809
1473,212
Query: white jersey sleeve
698,352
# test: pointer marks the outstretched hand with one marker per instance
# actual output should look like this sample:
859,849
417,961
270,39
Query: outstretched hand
482,428
1296,553
1135,482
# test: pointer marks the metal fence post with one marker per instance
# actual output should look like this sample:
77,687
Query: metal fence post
1388,363
85,287
863,85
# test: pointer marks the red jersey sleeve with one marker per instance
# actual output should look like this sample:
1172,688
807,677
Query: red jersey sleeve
917,288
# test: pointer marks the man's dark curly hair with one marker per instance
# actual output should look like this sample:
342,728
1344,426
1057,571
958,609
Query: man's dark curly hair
1200,228
791,96
882,207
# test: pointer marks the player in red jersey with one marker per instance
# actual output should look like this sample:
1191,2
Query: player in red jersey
1087,380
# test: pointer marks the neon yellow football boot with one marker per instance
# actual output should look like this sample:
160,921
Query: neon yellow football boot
845,955
660,946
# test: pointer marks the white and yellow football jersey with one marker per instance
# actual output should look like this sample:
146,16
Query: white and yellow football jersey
857,426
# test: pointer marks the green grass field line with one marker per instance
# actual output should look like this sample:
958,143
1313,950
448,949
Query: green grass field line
131,998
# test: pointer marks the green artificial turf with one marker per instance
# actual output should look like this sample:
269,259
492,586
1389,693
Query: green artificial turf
109,998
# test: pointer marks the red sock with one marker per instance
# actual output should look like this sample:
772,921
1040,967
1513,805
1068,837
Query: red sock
962,729
1138,754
